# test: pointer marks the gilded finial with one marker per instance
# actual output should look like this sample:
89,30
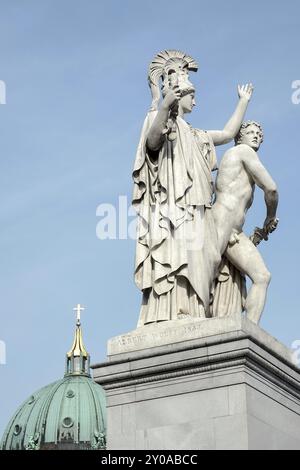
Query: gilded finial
78,349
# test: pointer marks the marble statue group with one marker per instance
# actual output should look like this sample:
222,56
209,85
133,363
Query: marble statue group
192,254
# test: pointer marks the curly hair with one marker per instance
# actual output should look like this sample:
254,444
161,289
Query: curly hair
244,126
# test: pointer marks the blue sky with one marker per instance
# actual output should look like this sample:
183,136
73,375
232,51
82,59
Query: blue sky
77,94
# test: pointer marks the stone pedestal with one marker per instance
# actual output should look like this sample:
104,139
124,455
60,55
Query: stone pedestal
206,384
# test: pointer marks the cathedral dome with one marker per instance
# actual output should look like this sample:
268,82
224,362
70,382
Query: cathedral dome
67,414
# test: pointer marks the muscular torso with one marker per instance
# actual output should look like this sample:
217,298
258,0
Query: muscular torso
234,194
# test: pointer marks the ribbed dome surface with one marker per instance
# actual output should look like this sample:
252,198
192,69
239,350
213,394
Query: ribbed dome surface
67,414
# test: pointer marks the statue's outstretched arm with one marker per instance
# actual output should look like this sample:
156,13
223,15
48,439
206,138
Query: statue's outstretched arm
233,125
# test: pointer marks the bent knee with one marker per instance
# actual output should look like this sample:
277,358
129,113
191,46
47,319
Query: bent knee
263,277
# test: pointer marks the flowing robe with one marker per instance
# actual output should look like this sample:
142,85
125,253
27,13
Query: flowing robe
230,292
176,252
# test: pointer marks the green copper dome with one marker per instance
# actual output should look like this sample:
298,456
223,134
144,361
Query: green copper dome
67,414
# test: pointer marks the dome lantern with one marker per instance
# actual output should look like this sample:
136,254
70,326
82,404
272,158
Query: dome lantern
78,359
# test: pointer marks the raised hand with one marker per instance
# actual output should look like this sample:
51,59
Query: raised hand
245,91
172,97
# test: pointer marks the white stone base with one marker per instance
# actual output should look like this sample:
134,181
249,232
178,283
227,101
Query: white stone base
178,331
211,384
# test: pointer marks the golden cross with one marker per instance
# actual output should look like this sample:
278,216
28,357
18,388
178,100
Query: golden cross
78,310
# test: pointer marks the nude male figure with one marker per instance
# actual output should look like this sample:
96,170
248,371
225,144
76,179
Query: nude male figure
240,170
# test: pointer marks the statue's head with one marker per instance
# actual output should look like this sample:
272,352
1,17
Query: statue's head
187,101
171,68
251,134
